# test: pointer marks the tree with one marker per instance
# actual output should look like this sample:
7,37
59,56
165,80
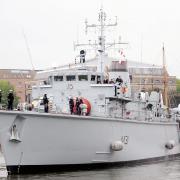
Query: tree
178,85
5,86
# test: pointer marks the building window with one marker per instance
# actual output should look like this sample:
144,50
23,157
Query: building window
157,81
143,81
28,76
98,79
171,81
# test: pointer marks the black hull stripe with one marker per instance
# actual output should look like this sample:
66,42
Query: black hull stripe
33,169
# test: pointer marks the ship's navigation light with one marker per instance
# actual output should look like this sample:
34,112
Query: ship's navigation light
102,15
100,41
86,24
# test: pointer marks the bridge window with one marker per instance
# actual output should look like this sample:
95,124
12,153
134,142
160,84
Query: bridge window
83,78
93,77
98,79
58,78
70,78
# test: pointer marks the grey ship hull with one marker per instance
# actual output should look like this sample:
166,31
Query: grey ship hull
32,169
64,142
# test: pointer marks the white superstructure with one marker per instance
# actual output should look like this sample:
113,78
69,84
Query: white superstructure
114,129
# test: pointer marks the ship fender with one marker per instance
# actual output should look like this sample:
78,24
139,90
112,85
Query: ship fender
170,144
116,146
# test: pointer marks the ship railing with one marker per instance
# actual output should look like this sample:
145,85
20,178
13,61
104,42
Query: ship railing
177,117
140,115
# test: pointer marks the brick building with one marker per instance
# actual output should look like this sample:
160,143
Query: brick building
149,78
18,78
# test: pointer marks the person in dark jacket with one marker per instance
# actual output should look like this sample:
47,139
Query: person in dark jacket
80,110
10,99
119,80
71,105
77,106
45,102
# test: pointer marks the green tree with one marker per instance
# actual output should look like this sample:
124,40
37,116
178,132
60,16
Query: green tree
5,86
178,85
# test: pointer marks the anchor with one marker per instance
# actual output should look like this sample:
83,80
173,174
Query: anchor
14,134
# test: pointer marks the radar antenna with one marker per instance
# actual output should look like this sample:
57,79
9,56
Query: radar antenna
101,45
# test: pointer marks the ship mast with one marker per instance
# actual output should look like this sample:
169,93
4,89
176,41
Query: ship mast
102,45
165,80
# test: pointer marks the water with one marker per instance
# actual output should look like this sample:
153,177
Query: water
169,170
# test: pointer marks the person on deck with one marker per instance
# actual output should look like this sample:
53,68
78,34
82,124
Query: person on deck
77,106
45,102
83,109
10,99
119,80
71,105
80,109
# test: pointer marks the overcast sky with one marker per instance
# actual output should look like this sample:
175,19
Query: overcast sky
51,26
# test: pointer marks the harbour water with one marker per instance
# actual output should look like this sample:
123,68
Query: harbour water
169,170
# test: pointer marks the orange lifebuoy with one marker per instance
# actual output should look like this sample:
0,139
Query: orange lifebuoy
124,89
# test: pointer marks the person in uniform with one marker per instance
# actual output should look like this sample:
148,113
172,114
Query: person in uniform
10,99
45,102
80,106
71,105
83,109
77,105
119,80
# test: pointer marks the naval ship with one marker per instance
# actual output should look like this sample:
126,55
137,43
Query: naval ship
114,128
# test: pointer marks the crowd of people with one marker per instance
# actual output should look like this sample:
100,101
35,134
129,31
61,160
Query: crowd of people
77,106
118,80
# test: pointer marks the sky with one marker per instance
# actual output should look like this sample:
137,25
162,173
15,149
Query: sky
40,33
